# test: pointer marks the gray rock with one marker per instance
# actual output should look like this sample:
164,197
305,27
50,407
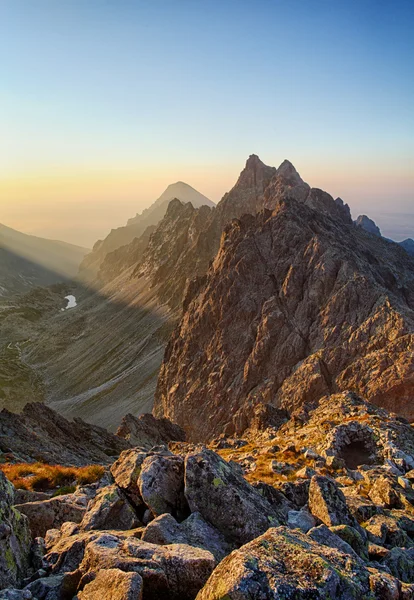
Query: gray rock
175,571
323,535
110,510
125,472
51,514
13,594
46,587
328,503
385,530
301,519
352,537
15,538
161,484
225,499
277,565
194,531
400,562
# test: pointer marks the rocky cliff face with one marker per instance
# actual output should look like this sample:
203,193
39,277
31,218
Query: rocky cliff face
187,240
297,303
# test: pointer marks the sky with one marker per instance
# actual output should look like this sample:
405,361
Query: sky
103,103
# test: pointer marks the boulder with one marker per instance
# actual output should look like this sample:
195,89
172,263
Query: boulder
325,536
400,562
194,531
384,494
361,508
51,514
13,594
384,530
161,484
15,538
352,537
109,510
113,584
327,502
125,472
301,519
175,571
287,564
225,499
46,588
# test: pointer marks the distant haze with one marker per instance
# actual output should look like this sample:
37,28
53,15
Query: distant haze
103,104
83,207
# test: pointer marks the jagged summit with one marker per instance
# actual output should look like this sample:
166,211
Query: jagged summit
368,225
287,170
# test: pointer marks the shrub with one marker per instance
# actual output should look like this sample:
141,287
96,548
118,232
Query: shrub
42,477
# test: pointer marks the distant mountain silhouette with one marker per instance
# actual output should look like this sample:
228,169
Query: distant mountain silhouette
27,261
137,225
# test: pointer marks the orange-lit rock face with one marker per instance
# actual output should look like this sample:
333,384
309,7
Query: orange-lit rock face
297,304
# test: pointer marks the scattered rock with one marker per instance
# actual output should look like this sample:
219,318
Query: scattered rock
194,531
14,538
51,514
161,484
328,503
287,564
113,584
110,510
301,519
225,499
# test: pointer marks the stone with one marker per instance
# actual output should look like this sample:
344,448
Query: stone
51,514
305,473
15,538
361,508
109,510
400,562
175,571
328,503
46,587
352,537
301,519
225,499
384,586
194,531
287,564
325,536
13,594
384,530
161,484
125,472
113,584
404,483
383,493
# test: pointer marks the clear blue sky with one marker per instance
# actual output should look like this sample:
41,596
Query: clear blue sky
90,85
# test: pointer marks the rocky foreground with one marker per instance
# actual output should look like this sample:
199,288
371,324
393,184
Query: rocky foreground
320,505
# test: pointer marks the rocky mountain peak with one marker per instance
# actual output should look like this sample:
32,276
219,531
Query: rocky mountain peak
368,225
288,171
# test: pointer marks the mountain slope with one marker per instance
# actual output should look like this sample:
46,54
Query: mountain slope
137,225
297,304
27,261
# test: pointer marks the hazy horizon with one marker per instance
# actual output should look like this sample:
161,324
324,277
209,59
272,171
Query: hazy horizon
105,104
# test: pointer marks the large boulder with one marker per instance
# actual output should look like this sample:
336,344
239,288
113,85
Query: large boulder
328,503
161,484
174,571
286,564
224,498
15,538
110,510
125,472
194,531
51,514
113,584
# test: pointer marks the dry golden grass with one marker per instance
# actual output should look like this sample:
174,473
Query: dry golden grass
43,477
